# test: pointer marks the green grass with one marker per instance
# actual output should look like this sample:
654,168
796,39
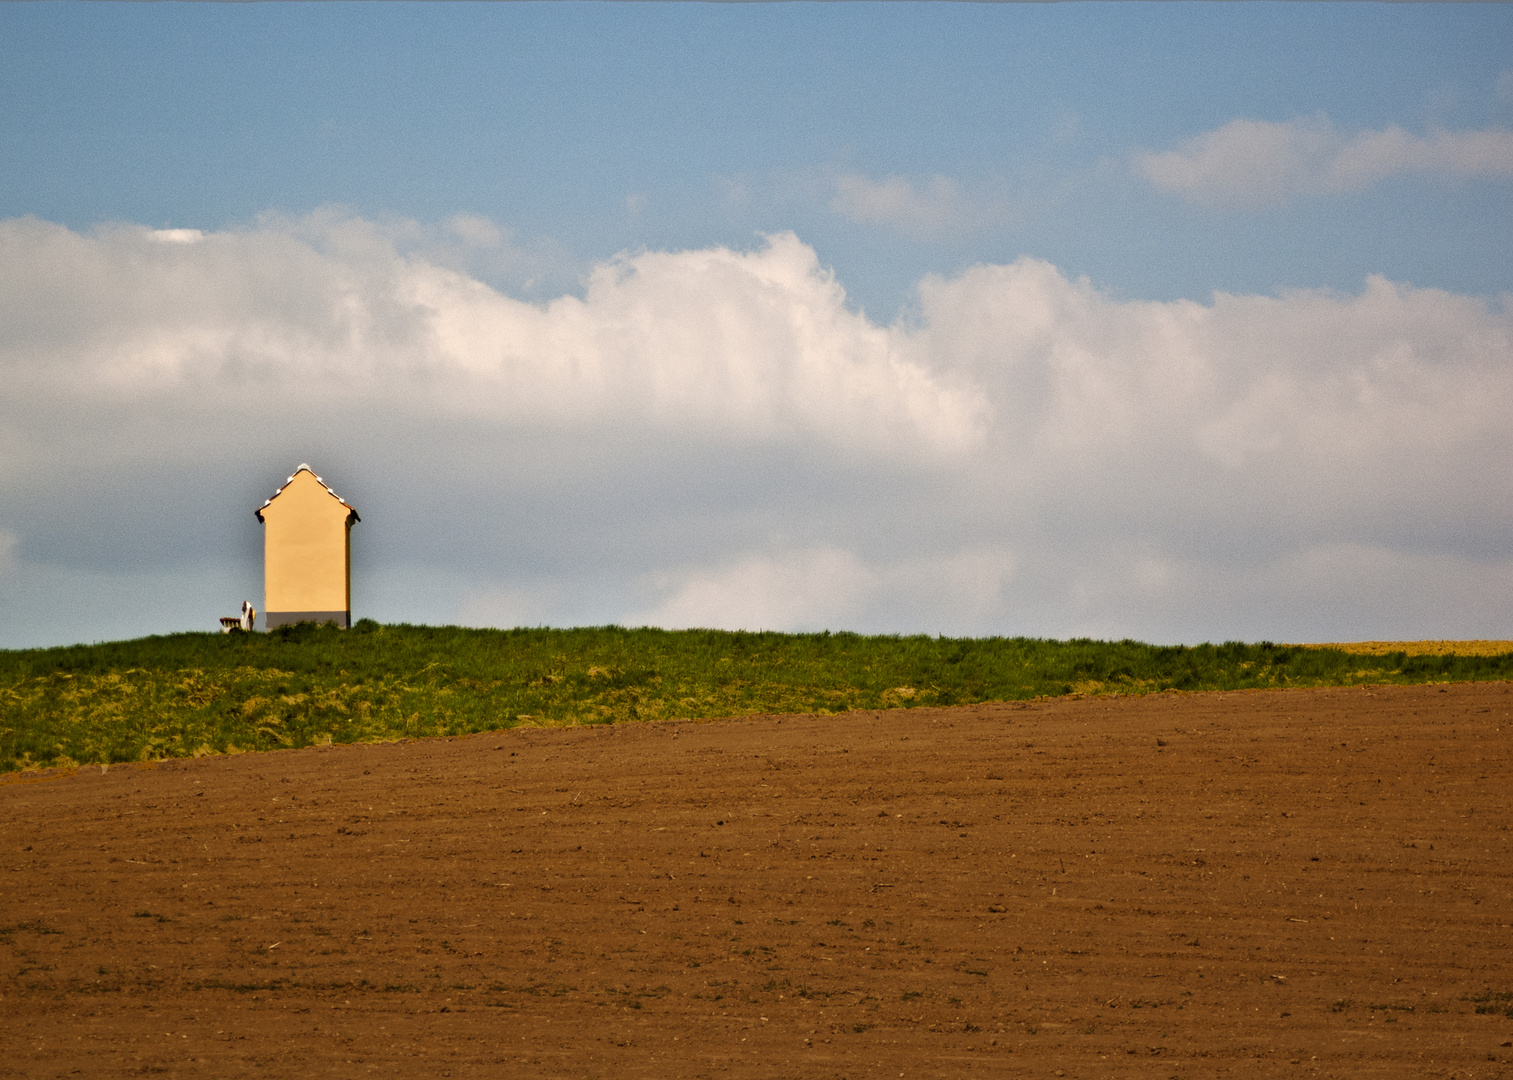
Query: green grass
186,694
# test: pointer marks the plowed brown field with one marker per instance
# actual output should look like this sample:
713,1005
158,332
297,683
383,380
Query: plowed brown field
1308,882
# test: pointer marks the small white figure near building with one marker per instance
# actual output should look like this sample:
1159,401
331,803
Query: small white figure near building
244,623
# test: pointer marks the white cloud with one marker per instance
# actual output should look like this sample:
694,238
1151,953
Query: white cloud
754,345
1253,163
937,208
808,589
895,201
819,587
475,230
471,244
177,236
711,437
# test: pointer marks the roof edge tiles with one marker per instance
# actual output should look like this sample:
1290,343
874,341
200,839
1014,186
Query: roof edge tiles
305,468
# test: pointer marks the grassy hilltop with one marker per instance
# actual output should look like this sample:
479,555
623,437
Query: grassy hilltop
188,694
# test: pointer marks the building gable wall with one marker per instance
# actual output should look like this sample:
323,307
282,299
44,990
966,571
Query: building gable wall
306,553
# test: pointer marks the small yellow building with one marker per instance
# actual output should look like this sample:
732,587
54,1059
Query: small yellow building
307,553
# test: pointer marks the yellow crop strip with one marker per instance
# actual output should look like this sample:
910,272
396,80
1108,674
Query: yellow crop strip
1420,648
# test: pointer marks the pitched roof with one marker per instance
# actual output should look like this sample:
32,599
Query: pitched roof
305,468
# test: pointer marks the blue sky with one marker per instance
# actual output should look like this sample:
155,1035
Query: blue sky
722,121
942,176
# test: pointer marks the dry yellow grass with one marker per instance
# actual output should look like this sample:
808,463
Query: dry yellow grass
1420,648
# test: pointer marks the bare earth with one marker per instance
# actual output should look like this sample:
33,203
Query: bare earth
1306,882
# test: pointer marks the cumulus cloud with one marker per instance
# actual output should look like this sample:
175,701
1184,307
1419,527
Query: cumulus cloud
756,345
711,437
177,236
1254,163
